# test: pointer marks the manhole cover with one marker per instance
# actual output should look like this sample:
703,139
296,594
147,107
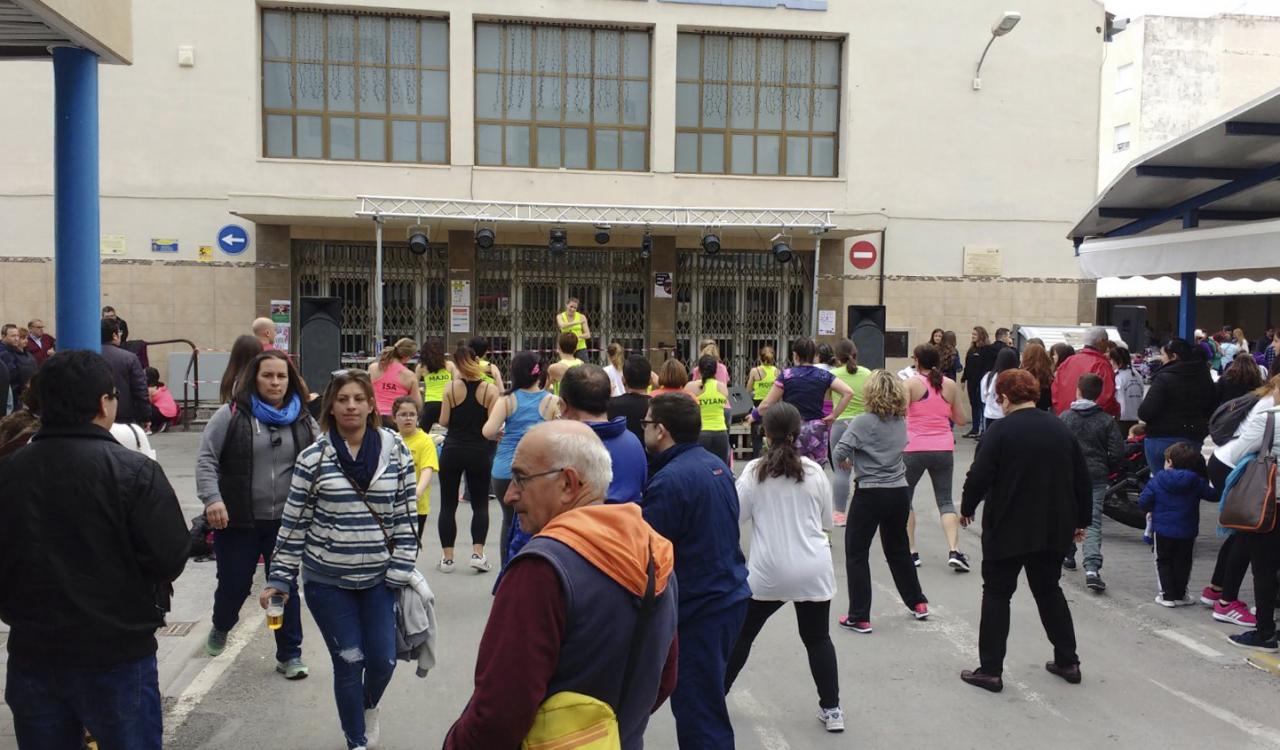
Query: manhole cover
176,629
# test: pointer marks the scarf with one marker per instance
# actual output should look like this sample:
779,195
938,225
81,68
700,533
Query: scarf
359,470
276,417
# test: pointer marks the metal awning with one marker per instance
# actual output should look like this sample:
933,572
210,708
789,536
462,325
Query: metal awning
30,28
1226,171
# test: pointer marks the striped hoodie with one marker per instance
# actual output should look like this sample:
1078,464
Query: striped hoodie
332,535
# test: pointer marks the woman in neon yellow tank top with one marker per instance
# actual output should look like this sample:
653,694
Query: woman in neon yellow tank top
572,321
855,376
759,381
480,347
435,372
567,344
713,399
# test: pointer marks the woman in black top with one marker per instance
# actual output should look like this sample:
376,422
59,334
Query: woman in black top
1032,476
977,361
1178,404
463,412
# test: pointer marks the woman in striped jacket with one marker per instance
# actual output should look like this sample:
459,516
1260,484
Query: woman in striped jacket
349,526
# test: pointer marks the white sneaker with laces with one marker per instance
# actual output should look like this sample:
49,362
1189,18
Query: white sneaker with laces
445,565
833,718
480,563
371,729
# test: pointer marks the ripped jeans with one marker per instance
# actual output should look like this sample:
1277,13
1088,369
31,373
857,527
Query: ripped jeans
359,628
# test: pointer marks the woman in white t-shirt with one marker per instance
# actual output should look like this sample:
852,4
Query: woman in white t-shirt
1006,359
614,369
1129,389
787,500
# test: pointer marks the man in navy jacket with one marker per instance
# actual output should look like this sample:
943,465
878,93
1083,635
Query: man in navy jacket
585,392
691,500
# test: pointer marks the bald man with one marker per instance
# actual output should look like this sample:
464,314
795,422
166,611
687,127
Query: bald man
576,582
264,329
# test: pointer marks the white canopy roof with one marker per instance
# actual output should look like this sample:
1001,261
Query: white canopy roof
1240,251
1113,287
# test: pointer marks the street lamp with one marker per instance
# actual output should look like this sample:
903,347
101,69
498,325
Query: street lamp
1001,27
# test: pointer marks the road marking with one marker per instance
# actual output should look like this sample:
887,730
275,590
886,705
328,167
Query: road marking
207,677
1189,642
770,737
1249,726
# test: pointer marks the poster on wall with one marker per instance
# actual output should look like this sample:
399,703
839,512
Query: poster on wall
662,285
112,244
981,261
459,319
281,315
159,245
826,322
461,293
204,254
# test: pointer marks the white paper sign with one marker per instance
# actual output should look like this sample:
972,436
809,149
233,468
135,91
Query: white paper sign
826,322
459,320
461,293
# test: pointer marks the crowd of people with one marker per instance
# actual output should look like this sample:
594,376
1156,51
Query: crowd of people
621,581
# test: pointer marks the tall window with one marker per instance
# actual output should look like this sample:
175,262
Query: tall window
355,86
1122,137
757,105
1124,78
560,96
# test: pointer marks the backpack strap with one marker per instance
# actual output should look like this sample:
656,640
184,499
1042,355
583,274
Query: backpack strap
643,619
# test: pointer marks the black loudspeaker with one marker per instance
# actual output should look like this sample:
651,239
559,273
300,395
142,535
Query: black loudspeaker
1131,321
319,340
866,329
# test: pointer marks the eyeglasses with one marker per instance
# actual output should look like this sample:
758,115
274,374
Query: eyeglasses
647,422
520,479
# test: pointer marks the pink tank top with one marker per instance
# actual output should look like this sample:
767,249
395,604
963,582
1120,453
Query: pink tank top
387,388
929,422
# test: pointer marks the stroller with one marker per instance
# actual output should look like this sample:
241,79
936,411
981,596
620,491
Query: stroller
1125,486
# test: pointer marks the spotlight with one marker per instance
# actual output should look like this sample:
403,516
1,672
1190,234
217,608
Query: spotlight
710,243
602,234
558,242
418,240
646,246
782,251
484,238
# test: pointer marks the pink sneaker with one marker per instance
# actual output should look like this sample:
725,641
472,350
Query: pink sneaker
839,519
1236,613
920,611
1210,596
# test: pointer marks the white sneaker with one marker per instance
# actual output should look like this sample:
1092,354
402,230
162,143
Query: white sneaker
1163,602
445,565
480,563
833,718
372,731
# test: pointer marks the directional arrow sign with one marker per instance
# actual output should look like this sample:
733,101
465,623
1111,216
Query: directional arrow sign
233,239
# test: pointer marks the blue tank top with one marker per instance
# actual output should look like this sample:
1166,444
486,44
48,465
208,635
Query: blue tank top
527,414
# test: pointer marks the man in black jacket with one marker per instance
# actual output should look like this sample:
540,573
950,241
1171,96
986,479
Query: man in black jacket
134,401
19,363
91,535
1032,478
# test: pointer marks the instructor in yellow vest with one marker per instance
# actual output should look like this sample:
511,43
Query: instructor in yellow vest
572,321
759,381
713,402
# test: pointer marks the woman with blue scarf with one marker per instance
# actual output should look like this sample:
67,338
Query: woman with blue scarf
243,472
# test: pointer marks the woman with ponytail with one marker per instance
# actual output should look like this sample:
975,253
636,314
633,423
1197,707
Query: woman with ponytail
935,403
787,500
436,373
713,400
855,376
616,355
392,379
465,410
872,446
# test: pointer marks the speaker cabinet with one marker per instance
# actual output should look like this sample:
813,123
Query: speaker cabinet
866,329
319,339
1131,322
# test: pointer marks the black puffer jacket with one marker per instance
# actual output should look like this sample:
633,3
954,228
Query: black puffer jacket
91,535
1180,401
1099,438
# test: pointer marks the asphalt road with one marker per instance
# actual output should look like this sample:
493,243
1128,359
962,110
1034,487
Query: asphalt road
1153,677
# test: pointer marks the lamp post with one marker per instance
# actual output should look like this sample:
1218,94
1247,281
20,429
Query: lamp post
1001,27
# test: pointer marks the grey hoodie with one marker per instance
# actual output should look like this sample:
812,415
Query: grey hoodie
1099,437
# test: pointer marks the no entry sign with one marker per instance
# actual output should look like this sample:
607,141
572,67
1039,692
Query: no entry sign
862,255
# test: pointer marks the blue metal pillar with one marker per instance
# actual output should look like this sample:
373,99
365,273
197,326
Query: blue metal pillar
76,262
1187,299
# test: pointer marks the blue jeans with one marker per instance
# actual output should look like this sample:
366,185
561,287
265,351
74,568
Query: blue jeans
1155,447
359,627
120,705
706,643
236,551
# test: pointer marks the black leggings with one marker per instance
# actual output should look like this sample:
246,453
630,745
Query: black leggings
508,517
1233,556
717,443
474,461
430,415
812,619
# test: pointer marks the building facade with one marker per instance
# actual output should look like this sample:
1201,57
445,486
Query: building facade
1164,76
946,204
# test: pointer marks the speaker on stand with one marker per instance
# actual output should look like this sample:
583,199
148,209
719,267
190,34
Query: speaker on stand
319,341
866,330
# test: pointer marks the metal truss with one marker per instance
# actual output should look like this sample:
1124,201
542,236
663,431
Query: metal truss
816,220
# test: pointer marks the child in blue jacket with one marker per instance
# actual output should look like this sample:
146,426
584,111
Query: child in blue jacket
1173,498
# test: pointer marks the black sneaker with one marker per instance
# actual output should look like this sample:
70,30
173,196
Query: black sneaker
1250,639
1093,581
915,559
1069,563
958,561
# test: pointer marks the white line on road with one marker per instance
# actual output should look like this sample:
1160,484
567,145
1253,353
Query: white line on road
1260,731
208,677
1189,642
770,738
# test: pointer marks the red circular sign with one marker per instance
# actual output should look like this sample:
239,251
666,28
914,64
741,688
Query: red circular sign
862,255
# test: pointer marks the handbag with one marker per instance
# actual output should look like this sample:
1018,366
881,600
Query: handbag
574,721
1250,503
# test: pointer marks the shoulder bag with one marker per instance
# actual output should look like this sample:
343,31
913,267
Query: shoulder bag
1250,503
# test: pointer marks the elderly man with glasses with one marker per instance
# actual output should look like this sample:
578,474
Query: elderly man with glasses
565,616
39,344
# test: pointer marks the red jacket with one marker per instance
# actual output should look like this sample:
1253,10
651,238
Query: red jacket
41,351
1084,361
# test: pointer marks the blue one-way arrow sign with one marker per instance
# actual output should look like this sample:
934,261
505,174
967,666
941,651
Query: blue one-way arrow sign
233,239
